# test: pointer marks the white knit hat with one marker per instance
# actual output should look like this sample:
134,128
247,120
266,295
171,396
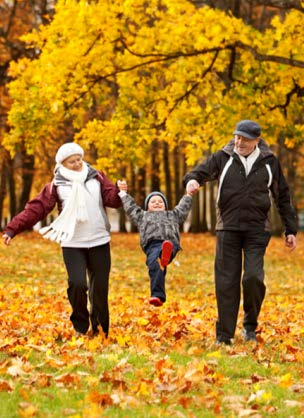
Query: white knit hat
66,150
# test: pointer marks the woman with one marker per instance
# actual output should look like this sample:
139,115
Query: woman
82,229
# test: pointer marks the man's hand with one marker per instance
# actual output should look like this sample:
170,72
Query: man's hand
192,187
291,242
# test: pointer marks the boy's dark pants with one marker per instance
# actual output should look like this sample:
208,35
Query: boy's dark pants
95,262
231,247
156,272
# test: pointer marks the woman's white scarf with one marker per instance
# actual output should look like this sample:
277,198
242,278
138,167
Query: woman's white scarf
75,210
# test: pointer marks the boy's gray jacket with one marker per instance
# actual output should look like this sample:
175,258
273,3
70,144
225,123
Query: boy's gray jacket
244,202
157,225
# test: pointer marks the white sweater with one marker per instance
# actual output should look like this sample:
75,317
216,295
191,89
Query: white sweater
94,231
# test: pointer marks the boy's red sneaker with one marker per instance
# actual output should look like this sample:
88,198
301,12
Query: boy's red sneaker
155,301
166,254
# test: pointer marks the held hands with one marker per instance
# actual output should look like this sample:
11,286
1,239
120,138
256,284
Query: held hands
122,185
192,187
6,239
291,242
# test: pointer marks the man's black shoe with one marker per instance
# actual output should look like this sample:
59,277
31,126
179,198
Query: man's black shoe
249,335
225,342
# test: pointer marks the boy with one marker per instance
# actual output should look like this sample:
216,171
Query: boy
159,234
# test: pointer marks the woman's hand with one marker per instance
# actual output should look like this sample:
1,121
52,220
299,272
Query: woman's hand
122,185
6,239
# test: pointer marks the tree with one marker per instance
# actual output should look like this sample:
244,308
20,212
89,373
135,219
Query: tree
17,18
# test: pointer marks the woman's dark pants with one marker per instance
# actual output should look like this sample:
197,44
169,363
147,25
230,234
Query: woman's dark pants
88,273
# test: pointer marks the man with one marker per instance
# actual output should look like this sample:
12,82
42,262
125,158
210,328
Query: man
247,173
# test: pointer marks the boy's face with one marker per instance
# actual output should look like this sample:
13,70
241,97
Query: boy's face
156,203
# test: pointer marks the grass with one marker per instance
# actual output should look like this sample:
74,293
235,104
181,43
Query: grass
157,362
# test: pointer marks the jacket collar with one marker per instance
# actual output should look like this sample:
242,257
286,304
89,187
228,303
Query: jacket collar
265,151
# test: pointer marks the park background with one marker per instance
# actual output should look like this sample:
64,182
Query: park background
148,89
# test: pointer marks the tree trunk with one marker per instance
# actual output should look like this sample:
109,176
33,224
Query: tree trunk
139,190
167,174
276,223
11,188
212,206
177,180
155,166
288,163
141,186
204,225
121,212
195,218
131,190
2,189
28,163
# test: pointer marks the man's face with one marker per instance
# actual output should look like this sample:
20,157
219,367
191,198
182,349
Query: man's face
156,203
245,146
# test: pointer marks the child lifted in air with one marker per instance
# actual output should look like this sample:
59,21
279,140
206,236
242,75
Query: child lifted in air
159,234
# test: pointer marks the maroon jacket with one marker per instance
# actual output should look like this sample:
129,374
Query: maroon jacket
40,206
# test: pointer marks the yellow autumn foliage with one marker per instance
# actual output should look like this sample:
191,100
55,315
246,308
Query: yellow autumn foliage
123,73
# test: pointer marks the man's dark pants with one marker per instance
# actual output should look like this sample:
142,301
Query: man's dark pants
238,251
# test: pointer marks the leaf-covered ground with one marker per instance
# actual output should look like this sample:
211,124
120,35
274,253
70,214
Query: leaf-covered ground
157,361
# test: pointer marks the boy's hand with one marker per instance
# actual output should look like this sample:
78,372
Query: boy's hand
122,185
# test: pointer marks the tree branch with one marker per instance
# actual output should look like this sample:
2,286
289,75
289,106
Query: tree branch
279,4
275,4
272,58
241,45
194,86
154,58
299,91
